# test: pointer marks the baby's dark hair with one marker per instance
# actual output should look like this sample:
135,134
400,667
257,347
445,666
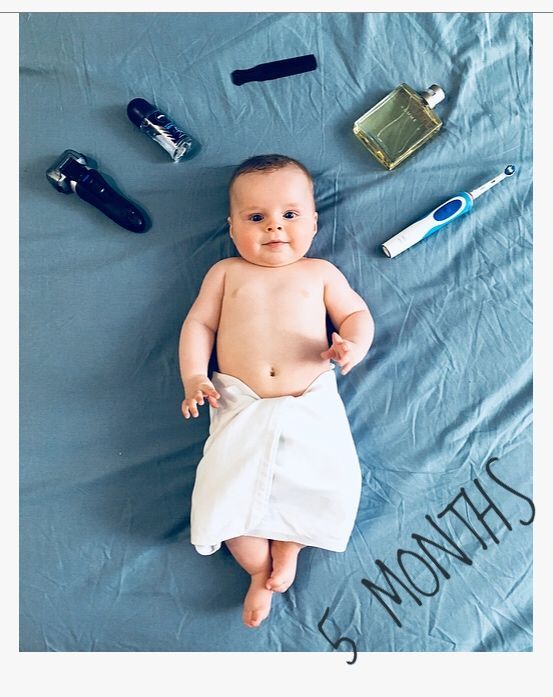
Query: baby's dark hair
266,163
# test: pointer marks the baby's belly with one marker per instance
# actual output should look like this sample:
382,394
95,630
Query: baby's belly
274,355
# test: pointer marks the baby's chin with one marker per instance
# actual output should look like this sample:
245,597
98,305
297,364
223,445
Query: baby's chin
274,264
272,261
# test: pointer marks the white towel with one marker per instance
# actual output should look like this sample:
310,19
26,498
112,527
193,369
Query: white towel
282,468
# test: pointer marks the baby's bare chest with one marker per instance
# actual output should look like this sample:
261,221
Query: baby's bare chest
284,301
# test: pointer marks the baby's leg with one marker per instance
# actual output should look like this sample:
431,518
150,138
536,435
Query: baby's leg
285,559
253,555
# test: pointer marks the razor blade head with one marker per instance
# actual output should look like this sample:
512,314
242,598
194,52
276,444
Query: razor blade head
59,173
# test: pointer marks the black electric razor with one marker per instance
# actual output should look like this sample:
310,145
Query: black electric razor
72,173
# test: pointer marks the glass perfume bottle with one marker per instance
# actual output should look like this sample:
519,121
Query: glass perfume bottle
400,123
160,128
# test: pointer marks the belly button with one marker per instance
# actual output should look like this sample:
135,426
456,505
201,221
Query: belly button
273,372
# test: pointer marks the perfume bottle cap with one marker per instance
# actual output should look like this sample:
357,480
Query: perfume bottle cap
138,110
433,95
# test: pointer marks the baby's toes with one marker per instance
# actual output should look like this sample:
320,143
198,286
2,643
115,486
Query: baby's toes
278,585
272,584
252,618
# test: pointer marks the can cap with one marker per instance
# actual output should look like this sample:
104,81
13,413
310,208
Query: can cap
139,109
433,95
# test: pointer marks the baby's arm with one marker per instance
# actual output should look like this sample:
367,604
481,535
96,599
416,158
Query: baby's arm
196,341
350,314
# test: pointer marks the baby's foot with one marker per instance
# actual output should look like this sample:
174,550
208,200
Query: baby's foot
257,603
285,559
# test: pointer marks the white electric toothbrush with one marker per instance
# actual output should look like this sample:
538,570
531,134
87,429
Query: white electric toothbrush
446,212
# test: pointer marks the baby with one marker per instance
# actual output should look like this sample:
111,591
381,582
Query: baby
279,470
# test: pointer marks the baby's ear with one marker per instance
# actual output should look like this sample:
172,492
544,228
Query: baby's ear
316,218
229,225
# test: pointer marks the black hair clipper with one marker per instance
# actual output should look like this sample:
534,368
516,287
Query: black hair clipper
72,173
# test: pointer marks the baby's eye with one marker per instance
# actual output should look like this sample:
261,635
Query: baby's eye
290,214
256,217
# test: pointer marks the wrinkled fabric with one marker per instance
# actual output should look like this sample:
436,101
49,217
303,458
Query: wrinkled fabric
108,462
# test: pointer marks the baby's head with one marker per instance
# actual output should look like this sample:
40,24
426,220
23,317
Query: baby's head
272,210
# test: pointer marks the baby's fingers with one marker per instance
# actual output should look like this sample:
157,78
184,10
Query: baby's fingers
343,348
213,401
212,395
185,409
339,353
189,407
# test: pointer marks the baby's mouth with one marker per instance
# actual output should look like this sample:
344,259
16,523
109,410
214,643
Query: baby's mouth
275,243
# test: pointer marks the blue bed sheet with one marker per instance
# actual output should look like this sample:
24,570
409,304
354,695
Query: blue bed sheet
440,558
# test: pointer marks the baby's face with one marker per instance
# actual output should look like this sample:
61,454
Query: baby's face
272,216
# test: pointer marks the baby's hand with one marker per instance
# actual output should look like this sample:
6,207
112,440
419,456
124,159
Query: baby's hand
341,352
195,390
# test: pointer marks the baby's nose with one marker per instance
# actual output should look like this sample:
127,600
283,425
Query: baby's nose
273,226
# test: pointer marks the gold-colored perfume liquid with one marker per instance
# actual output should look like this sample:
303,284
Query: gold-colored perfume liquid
397,126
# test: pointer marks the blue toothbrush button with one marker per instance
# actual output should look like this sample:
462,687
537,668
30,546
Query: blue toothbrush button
448,209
